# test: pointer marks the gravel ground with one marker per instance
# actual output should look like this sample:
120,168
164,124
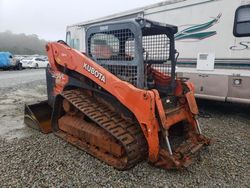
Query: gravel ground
39,160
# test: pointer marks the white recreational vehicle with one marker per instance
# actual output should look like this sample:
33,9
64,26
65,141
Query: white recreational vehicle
216,61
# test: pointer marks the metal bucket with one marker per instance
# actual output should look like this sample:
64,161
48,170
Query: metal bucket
38,116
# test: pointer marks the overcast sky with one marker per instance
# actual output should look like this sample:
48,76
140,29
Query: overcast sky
49,18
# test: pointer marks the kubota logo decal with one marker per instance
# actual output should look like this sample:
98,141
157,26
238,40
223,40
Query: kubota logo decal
94,72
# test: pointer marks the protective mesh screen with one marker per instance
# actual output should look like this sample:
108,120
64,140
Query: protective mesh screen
156,53
156,48
164,68
113,49
124,72
115,45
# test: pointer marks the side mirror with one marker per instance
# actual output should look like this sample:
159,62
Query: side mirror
242,21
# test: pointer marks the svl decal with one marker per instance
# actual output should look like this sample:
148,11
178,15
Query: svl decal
244,45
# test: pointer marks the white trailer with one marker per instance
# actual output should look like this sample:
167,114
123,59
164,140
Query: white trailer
210,56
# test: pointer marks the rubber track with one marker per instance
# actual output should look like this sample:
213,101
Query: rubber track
128,134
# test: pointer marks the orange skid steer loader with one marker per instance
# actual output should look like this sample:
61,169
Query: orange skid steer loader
121,101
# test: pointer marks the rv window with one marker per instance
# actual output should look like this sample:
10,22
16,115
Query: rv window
68,38
76,44
242,21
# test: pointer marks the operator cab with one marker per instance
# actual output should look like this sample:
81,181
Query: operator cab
138,51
